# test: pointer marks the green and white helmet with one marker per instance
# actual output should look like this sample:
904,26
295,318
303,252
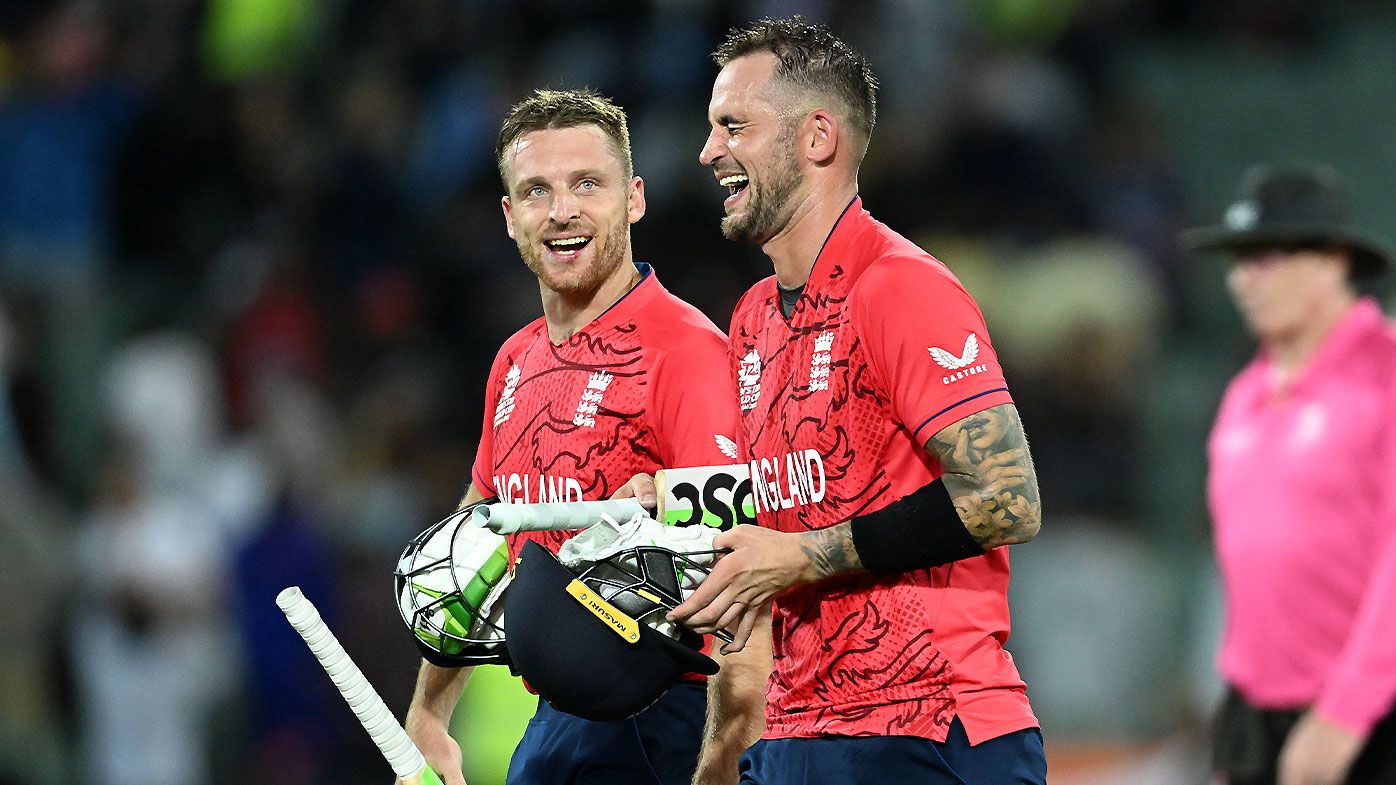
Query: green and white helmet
449,584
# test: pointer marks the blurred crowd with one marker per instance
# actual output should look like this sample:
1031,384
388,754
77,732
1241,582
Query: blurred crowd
253,270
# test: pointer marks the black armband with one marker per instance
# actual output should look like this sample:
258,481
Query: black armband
915,532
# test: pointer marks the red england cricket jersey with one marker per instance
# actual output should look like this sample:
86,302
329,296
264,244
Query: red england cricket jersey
883,350
642,387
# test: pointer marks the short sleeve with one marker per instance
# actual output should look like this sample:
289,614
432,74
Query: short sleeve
695,401
482,471
926,339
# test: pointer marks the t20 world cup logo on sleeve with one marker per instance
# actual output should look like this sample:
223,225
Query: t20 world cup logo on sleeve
749,380
505,407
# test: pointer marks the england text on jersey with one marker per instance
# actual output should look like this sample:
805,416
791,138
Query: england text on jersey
788,480
537,489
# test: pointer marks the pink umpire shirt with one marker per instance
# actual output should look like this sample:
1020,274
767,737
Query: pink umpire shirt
1302,489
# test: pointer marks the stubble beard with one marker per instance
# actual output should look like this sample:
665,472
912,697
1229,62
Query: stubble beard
768,204
607,254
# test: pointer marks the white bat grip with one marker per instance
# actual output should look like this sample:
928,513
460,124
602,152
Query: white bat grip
382,726
505,518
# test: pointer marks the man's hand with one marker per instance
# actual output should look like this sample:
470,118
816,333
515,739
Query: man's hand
429,718
762,564
1318,752
442,752
640,487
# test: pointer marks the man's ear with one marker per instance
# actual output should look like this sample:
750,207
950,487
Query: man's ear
819,135
508,215
635,200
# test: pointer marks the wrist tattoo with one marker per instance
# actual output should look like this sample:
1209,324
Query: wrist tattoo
831,550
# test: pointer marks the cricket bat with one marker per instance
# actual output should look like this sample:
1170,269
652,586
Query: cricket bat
716,496
402,755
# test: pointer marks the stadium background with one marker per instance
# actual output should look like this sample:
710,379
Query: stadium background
252,271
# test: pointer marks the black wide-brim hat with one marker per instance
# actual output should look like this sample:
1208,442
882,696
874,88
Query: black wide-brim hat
578,651
1284,206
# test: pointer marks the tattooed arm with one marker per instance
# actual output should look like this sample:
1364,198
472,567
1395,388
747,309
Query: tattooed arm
990,476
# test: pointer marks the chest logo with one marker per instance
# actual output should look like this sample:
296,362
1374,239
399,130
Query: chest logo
967,355
749,380
819,361
591,400
505,406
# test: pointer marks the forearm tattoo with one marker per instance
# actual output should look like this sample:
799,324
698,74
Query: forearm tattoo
830,550
990,476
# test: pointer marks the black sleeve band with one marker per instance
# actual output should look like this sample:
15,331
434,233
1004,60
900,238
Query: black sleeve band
915,532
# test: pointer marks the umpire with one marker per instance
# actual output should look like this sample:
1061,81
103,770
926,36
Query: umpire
1302,492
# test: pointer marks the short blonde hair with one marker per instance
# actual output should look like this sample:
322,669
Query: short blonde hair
549,109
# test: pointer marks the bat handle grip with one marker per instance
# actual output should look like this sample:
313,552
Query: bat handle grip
402,755
505,518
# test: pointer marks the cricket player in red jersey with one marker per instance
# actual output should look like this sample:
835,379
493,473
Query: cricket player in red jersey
617,377
888,461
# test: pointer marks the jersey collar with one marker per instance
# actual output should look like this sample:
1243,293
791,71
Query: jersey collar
841,251
630,303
